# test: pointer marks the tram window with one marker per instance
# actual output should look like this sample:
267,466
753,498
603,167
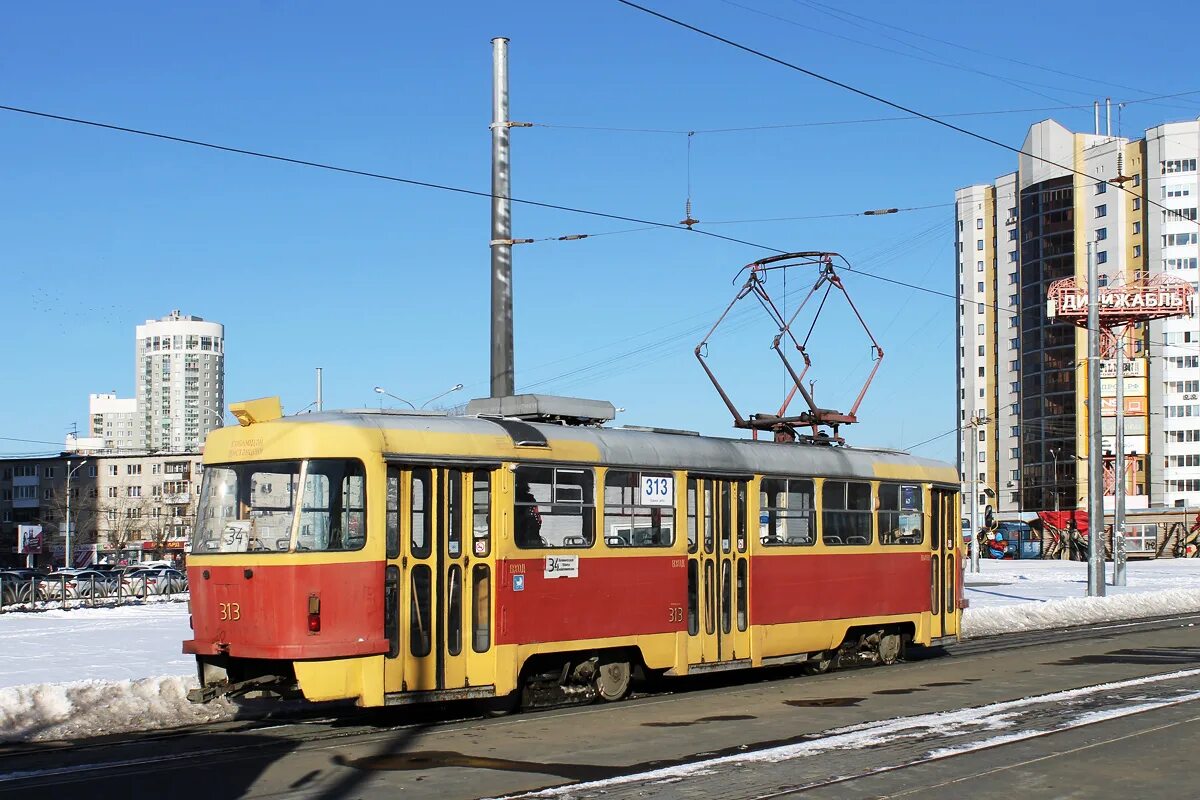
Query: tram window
789,507
554,507
741,516
726,513
899,516
420,622
639,509
935,588
481,506
481,619
935,527
693,589
846,513
710,593
393,512
691,515
254,507
743,593
708,518
420,520
726,596
454,512
391,609
333,514
949,584
454,616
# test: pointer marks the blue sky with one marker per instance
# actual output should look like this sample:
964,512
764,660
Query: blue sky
381,283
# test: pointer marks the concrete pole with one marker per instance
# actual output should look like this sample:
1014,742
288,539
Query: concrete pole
1095,442
320,394
502,309
1118,541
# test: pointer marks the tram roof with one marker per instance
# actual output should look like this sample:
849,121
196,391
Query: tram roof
648,448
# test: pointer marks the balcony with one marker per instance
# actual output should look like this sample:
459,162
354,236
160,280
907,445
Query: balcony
182,498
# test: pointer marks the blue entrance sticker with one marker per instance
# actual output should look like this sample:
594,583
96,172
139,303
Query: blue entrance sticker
518,583
764,517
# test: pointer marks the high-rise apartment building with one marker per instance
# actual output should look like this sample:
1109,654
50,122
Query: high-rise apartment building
180,381
1022,376
115,421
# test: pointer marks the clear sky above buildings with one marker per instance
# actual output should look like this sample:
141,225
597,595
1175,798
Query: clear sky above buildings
385,284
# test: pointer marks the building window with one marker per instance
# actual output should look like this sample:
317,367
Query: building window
1102,257
1137,251
981,372
112,469
980,349
979,224
979,266
979,244
1102,210
1101,187
1101,234
1137,203
980,309
1137,228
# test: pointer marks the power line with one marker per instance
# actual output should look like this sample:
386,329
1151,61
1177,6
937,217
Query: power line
832,11
878,99
929,440
1019,84
367,174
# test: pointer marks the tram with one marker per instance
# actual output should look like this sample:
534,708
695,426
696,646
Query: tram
394,558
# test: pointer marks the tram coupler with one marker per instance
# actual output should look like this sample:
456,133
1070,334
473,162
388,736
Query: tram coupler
206,694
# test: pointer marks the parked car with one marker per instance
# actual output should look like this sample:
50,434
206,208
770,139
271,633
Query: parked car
154,581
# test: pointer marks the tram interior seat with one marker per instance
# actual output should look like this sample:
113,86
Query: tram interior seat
857,540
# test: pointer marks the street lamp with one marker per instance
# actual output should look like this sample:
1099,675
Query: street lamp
67,561
220,418
381,390
976,422
1054,481
456,387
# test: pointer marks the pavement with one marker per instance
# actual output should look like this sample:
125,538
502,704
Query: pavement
1112,715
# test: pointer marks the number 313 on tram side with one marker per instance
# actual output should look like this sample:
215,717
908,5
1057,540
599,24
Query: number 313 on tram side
393,558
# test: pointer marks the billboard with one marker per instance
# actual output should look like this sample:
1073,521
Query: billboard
30,540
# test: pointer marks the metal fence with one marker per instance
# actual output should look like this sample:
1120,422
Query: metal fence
37,593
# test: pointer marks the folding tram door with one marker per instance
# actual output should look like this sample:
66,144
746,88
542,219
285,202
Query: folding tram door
718,570
438,579
944,563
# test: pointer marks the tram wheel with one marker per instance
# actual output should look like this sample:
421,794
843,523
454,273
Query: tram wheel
825,661
612,681
890,646
503,705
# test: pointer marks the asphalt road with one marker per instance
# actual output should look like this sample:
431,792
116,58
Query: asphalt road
1110,714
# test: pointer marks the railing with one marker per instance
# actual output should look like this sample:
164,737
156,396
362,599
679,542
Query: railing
65,592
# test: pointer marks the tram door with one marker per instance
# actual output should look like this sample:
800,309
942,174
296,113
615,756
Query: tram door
943,562
446,564
718,570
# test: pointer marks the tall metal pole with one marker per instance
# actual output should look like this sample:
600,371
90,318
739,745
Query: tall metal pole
1118,540
974,494
67,554
502,310
320,393
1095,443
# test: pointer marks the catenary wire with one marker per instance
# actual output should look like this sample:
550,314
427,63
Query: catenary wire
879,99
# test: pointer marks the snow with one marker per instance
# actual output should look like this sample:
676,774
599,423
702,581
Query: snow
54,711
1014,596
85,672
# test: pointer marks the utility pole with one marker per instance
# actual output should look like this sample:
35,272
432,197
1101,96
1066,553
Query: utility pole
320,398
501,244
1118,539
68,562
1095,443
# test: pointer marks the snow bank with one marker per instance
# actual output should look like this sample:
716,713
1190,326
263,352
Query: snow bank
992,620
51,711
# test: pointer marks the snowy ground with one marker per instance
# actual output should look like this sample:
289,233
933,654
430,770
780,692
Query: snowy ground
1012,596
85,672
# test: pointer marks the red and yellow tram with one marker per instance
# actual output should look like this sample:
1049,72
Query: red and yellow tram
398,557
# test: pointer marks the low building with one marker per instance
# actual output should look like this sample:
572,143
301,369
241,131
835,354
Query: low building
129,507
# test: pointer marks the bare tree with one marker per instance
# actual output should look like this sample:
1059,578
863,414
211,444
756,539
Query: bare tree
122,520
84,508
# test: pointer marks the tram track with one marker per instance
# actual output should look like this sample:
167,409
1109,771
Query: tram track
64,761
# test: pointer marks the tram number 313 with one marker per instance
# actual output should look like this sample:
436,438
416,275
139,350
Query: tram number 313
229,612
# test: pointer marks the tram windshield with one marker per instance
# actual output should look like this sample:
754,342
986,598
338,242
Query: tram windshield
281,507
